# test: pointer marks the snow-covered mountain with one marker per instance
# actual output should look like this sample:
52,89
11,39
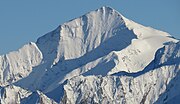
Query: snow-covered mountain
100,57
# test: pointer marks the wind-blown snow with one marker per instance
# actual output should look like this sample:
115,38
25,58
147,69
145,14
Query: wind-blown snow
100,57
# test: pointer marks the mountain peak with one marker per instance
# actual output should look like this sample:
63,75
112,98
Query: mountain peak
101,49
104,11
107,8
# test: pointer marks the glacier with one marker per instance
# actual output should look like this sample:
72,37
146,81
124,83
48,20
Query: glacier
100,57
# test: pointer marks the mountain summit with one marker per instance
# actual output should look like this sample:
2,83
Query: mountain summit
100,57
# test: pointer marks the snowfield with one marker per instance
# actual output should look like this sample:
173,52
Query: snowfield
99,58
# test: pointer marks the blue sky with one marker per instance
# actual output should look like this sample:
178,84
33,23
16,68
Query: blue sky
22,21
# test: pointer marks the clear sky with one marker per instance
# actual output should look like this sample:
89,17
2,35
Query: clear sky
22,21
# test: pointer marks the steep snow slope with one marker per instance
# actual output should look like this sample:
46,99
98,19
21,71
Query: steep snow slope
99,46
160,78
19,64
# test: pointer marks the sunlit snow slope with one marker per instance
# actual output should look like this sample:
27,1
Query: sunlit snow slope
100,57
